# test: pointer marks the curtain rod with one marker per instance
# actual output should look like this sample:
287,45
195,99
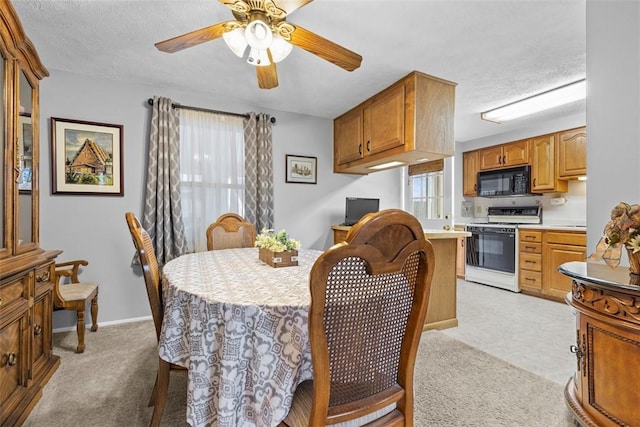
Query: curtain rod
206,110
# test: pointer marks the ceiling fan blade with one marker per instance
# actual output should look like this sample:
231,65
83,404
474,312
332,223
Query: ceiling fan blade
325,49
267,75
195,38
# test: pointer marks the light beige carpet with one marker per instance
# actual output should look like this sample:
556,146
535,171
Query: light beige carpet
455,385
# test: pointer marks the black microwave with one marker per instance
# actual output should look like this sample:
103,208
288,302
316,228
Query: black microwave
514,181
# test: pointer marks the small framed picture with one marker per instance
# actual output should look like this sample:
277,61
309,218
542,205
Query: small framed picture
86,158
301,169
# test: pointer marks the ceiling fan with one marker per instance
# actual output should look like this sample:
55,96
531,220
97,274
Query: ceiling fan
260,28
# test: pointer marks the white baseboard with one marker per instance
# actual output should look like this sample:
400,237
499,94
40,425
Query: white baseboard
114,322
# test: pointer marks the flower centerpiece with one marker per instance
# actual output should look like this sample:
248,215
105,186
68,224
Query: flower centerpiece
276,248
622,231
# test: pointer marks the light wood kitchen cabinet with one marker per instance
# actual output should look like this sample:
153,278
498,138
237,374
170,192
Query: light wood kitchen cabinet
561,247
470,173
530,247
348,130
572,153
408,122
506,155
461,257
26,303
541,252
543,166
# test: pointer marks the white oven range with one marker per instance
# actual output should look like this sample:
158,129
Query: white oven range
491,250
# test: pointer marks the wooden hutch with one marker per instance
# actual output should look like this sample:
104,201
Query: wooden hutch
604,390
26,303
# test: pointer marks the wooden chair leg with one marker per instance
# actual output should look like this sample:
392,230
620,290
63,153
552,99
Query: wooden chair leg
80,329
162,385
154,393
94,314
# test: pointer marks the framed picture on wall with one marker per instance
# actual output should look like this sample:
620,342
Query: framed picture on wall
301,169
86,158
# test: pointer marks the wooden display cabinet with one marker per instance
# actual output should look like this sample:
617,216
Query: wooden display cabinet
26,302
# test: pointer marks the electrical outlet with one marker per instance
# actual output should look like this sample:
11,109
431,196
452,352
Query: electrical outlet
478,210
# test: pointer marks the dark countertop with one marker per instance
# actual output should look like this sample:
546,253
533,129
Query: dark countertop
601,275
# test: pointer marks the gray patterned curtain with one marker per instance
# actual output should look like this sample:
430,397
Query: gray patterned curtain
258,164
162,216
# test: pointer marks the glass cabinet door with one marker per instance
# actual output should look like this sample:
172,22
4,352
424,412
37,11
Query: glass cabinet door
4,189
24,168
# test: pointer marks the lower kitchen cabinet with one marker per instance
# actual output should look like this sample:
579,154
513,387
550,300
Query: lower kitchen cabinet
541,252
460,254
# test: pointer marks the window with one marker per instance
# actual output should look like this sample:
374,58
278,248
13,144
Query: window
427,195
211,171
426,190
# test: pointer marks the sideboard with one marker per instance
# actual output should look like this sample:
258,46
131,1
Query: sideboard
604,390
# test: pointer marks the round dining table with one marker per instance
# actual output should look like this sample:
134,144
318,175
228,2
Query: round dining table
240,327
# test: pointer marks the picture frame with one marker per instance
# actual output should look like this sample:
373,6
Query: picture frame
86,158
301,169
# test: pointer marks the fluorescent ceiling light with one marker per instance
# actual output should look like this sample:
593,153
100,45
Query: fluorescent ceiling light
386,165
543,101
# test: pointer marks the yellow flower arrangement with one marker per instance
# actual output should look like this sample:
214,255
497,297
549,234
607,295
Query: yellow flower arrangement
276,242
623,230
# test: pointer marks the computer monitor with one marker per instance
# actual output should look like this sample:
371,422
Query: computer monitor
357,207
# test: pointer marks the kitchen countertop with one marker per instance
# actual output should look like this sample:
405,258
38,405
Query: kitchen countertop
444,234
428,233
554,227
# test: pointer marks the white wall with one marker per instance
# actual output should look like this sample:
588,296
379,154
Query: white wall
613,109
94,228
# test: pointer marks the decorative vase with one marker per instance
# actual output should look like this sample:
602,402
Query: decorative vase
634,262
278,259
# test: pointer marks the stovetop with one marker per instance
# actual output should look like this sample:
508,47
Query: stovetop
514,215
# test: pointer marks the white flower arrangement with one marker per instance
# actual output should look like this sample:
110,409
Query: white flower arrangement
276,242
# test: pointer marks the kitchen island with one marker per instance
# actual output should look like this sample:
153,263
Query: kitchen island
442,310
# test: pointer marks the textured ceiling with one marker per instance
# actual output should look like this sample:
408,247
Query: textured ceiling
497,51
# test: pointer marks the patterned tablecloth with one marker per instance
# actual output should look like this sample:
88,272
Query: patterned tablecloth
240,327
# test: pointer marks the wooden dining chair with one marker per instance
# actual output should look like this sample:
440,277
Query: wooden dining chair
369,297
70,293
230,230
152,280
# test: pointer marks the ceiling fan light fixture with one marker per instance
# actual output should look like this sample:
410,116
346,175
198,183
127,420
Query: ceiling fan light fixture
280,48
258,57
235,41
258,34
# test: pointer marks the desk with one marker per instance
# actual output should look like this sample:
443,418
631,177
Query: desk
240,327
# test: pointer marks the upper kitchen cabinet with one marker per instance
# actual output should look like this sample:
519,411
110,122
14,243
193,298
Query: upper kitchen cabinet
505,155
410,121
543,165
572,153
470,173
